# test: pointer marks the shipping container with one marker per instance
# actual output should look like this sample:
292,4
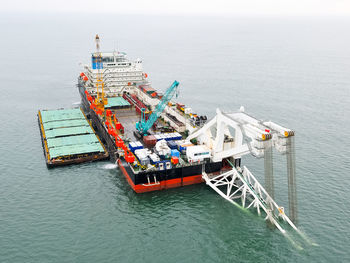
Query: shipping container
183,147
175,153
135,146
154,158
174,160
197,153
177,136
172,144
150,140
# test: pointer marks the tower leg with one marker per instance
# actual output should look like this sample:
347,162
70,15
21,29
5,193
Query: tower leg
292,187
238,162
268,169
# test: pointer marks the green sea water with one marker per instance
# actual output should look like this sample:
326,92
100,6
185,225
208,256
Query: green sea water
294,71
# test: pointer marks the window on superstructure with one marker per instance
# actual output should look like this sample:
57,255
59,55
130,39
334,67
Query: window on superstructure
107,59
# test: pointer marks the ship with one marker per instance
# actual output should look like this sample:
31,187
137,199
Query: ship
159,143
160,157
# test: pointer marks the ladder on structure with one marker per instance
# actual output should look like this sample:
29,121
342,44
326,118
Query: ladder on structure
241,188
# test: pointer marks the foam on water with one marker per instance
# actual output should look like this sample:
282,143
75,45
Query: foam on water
110,166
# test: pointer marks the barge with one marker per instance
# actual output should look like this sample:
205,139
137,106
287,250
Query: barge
68,138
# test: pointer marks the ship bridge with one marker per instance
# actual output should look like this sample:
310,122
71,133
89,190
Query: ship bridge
117,71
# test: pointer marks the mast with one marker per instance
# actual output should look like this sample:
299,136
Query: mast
101,100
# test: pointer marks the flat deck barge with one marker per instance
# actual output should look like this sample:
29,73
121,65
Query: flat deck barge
68,137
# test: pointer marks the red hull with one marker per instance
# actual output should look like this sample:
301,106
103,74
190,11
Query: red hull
166,184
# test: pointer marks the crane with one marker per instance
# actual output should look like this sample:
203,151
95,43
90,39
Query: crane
101,100
143,126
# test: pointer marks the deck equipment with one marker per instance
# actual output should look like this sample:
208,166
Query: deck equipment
143,126
101,100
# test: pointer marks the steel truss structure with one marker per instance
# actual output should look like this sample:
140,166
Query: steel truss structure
233,135
241,188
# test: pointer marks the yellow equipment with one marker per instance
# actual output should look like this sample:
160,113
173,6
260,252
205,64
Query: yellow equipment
101,101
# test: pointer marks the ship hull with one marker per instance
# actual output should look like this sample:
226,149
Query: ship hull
166,179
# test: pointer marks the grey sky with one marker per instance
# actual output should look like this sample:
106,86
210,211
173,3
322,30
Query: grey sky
215,7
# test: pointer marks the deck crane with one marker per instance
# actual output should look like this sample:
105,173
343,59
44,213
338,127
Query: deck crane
101,101
143,126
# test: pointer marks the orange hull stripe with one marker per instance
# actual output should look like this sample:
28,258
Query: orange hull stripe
195,179
126,174
171,183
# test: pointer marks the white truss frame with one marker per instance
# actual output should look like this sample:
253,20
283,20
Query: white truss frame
241,184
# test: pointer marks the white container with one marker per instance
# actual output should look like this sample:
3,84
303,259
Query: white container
141,153
154,157
197,153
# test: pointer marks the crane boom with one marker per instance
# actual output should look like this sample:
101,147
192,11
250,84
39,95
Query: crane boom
144,126
101,100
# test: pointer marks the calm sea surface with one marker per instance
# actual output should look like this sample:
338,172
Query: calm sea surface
295,71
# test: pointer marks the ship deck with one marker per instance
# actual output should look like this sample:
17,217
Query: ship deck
128,118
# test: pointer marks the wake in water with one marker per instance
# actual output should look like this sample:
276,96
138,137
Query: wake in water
76,103
110,166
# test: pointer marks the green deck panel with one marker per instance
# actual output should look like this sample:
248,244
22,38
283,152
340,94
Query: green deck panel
76,149
117,102
69,131
71,140
60,115
64,124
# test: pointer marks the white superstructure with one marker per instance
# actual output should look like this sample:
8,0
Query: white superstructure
118,73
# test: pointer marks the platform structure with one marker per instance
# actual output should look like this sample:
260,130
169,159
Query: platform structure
68,137
233,135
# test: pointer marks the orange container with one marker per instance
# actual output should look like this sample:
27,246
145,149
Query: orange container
118,125
174,160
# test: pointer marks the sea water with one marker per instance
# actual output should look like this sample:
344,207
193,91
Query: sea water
291,70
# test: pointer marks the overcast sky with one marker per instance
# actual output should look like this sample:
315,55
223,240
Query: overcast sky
214,7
